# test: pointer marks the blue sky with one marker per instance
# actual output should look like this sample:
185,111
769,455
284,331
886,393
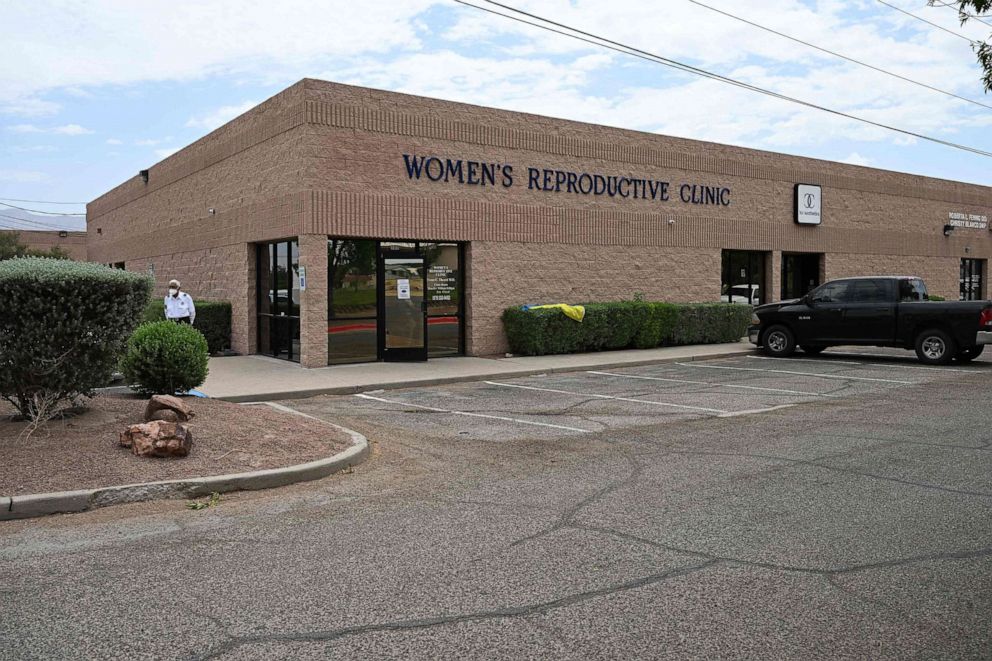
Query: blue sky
92,91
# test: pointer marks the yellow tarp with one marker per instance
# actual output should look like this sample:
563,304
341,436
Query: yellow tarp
576,312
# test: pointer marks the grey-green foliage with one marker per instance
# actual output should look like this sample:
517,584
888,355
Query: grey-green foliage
164,357
63,325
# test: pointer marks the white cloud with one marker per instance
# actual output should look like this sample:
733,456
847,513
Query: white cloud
23,176
165,153
151,142
68,129
854,158
71,129
220,116
114,141
24,128
29,106
26,149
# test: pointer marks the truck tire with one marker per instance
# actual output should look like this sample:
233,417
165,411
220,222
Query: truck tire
813,350
779,342
969,354
935,347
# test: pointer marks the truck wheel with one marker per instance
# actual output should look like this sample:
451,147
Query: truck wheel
813,350
969,354
935,347
779,342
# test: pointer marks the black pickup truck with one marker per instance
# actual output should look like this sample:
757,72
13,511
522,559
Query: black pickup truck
874,311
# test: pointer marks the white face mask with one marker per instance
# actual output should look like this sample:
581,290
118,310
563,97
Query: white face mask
173,292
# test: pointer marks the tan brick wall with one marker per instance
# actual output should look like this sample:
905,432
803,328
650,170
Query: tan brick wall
214,274
313,301
507,274
940,273
73,243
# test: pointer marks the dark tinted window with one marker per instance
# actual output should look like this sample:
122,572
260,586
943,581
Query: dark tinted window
833,292
870,291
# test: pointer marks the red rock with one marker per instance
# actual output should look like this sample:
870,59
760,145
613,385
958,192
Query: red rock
158,438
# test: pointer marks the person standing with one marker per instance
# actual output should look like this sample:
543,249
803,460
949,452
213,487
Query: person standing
179,305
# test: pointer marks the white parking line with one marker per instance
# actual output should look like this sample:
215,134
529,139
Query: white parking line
830,361
807,360
822,376
468,413
714,385
734,414
620,399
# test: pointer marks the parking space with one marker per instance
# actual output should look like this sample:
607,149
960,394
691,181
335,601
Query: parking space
582,402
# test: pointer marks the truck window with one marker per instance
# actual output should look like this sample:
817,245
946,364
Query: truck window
912,290
870,291
833,292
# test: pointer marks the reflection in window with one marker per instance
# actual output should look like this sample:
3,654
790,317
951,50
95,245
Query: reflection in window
351,301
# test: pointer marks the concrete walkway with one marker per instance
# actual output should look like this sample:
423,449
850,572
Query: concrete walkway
258,378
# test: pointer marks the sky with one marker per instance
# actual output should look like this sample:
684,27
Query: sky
91,91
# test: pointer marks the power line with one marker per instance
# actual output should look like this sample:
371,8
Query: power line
31,223
47,213
12,199
920,18
840,55
658,59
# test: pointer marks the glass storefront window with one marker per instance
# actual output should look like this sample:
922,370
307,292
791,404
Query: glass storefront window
971,279
743,277
352,303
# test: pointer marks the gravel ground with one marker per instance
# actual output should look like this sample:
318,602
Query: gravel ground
82,451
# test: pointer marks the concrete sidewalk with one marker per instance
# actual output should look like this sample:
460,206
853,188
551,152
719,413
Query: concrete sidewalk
258,378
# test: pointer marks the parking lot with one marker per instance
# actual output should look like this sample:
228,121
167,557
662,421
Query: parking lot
592,401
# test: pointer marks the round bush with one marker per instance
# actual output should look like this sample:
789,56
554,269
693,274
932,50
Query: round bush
164,357
63,326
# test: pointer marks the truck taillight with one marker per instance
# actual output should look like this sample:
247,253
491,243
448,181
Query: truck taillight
986,318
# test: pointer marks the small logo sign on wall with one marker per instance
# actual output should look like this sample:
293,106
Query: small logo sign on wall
808,204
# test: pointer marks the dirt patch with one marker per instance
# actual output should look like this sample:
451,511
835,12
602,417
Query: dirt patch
82,451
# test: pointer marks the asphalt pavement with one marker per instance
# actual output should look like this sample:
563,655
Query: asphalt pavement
829,507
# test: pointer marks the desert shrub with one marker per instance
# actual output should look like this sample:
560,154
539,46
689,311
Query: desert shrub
622,325
164,357
213,319
63,327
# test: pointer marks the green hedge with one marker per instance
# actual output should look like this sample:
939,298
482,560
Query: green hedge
63,326
623,325
213,319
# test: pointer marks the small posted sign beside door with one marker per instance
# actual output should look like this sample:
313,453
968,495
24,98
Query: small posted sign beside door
403,288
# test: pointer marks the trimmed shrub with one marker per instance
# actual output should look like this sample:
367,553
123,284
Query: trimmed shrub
213,319
164,357
63,328
623,325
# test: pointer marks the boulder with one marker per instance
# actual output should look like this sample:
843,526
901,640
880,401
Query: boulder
168,408
158,438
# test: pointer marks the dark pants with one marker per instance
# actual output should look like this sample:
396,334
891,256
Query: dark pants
180,320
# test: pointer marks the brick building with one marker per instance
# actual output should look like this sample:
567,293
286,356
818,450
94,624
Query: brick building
349,224
73,243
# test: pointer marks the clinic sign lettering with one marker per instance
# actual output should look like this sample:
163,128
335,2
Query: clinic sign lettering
506,175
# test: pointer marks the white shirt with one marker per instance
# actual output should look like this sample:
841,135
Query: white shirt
180,306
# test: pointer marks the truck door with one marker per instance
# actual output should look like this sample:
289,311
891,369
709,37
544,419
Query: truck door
869,314
826,315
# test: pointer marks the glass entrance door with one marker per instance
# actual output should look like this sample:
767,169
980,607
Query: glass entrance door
404,314
800,274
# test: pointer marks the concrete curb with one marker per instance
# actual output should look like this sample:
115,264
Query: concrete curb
417,383
41,504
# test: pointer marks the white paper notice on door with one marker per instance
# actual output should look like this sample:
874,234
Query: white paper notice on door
402,288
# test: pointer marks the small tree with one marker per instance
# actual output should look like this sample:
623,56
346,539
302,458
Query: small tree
63,328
